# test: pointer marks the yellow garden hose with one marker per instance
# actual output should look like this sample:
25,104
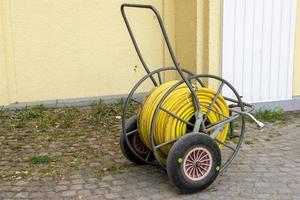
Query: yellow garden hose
178,102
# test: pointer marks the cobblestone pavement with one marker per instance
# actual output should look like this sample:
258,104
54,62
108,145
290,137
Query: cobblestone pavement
268,167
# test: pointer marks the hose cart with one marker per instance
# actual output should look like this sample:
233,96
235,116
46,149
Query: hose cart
182,125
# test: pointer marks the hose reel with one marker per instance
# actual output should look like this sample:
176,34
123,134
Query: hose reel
179,102
182,127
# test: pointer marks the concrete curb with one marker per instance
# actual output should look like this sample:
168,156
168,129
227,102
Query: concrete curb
287,105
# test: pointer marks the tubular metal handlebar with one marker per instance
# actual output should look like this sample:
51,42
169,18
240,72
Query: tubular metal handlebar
170,49
137,49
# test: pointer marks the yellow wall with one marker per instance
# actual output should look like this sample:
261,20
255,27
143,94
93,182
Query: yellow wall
3,73
71,49
203,19
170,24
186,34
296,80
198,35
215,37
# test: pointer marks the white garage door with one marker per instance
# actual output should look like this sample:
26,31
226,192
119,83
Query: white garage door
258,48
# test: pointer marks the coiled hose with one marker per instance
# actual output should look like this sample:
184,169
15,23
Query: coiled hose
180,103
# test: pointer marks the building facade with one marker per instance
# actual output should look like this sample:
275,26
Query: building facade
77,50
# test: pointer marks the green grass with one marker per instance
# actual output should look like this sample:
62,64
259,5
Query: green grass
43,159
64,135
111,169
249,142
34,112
271,115
37,119
230,135
235,125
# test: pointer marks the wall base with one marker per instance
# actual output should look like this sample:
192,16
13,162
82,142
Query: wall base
287,105
77,102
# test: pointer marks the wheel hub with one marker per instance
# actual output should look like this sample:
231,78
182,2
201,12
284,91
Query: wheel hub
139,146
197,163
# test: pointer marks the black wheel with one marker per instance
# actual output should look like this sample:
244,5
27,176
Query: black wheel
135,142
193,162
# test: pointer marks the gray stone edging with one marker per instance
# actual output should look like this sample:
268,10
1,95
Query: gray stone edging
287,105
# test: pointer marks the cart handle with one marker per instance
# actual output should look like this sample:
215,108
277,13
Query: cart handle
166,38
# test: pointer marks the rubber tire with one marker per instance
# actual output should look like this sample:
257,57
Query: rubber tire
130,125
180,149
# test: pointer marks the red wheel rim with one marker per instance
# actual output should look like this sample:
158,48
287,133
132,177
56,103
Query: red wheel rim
197,163
139,146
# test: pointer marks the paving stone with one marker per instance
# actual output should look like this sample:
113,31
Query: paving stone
16,189
52,195
6,194
267,169
84,193
21,183
33,188
37,195
117,182
63,182
101,191
108,178
60,188
76,176
22,195
90,186
92,180
117,188
76,187
78,181
112,195
69,193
